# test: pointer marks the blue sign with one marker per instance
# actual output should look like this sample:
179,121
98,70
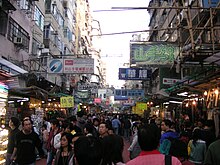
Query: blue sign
134,74
55,66
210,3
125,94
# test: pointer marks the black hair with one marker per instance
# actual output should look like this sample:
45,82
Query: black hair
89,128
44,126
55,122
69,138
196,135
168,123
112,149
96,119
15,121
148,137
88,150
28,118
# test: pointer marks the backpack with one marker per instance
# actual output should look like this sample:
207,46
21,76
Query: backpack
174,147
165,146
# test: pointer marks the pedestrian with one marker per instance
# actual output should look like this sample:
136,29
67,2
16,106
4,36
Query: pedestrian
64,155
212,155
45,136
148,139
134,148
88,150
55,129
197,148
116,125
26,142
103,129
13,124
112,150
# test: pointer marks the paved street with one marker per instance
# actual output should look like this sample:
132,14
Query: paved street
125,155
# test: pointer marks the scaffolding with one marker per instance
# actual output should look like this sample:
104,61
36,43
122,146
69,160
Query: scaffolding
196,25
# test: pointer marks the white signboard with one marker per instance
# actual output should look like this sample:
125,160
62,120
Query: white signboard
170,81
92,87
72,66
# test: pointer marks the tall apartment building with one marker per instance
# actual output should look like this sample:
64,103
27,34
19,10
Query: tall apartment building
193,27
34,32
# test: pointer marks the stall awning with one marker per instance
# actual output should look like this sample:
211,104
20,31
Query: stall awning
11,68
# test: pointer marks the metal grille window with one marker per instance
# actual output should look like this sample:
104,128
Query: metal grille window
15,30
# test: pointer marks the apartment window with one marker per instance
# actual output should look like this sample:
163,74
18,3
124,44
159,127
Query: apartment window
54,11
35,50
60,20
47,6
24,4
4,22
15,30
68,34
39,18
48,30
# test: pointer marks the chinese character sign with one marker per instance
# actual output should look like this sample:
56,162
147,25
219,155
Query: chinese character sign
153,53
134,74
66,102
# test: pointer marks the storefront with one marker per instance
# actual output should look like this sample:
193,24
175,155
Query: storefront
3,131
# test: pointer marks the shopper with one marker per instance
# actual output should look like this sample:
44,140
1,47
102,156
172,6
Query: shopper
13,124
148,139
64,155
26,142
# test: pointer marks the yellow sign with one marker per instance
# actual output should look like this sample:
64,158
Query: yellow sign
66,102
140,108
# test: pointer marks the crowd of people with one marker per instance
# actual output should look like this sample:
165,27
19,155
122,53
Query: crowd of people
98,139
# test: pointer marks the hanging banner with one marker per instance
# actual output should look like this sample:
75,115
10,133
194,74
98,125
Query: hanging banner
66,102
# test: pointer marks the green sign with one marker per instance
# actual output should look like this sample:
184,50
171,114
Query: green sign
154,53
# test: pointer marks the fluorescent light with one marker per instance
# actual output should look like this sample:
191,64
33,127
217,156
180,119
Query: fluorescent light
175,102
182,94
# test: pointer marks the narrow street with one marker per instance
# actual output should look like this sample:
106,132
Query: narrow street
125,155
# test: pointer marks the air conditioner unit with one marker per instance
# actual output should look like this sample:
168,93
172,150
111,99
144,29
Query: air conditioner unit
54,32
54,3
41,46
18,40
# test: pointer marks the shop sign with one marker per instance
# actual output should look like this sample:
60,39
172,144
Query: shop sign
134,74
92,87
170,81
71,66
139,108
97,100
210,3
3,91
153,53
66,102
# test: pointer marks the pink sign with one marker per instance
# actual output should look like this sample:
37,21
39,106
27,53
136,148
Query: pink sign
97,100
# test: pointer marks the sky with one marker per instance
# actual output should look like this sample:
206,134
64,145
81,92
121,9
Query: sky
117,46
